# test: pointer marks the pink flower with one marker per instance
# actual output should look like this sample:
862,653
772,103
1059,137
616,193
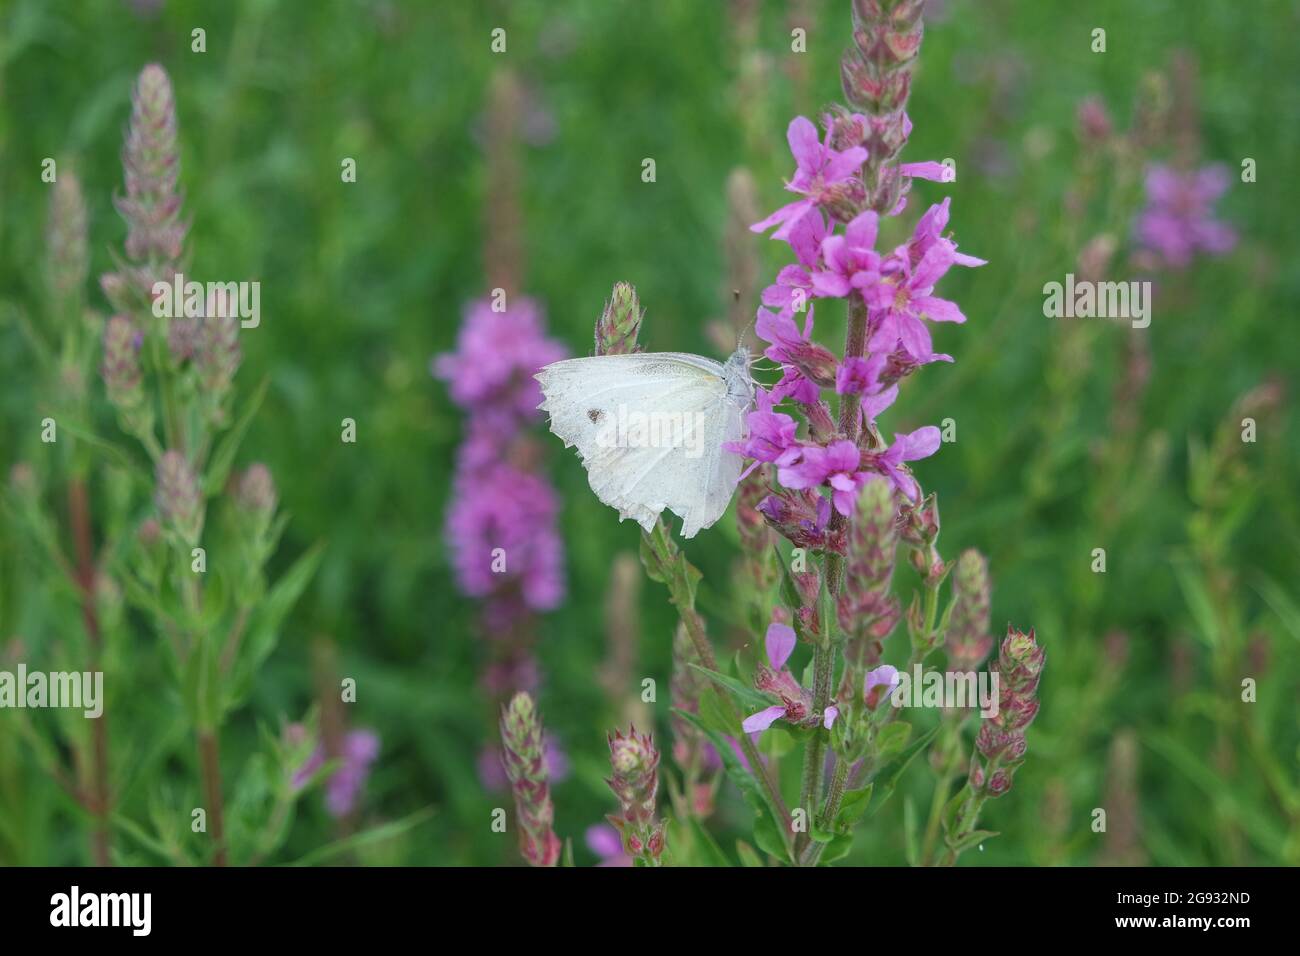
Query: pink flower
771,435
1178,221
796,352
911,446
800,516
886,676
496,356
604,841
794,284
796,702
836,465
905,299
860,376
935,172
344,784
819,173
851,261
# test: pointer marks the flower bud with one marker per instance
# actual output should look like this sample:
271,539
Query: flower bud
177,496
634,763
255,490
524,757
121,364
620,323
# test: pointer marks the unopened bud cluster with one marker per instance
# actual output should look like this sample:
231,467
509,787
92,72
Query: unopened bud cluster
634,778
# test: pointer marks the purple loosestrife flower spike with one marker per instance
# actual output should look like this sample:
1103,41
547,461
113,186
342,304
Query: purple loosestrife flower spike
121,364
1178,221
151,159
634,778
65,243
620,324
1001,738
968,640
491,372
344,785
502,508
868,612
524,756
756,539
217,352
177,496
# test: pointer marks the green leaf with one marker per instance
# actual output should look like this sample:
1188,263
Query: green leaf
263,630
739,692
767,832
1199,603
117,453
911,845
223,459
853,806
379,834
713,714
971,839
789,593
748,856
837,849
1281,603
712,851
898,766
818,835
892,738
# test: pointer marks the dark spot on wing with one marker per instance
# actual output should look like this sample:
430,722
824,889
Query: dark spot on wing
595,414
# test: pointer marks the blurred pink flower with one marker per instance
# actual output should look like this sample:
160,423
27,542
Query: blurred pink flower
1178,221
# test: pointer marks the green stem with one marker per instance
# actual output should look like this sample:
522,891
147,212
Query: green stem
673,571
951,751
815,756
834,797
210,769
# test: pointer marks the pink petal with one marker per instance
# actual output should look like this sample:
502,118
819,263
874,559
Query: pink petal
873,405
844,165
780,642
804,144
830,284
937,260
861,232
935,172
938,310
885,675
756,723
919,444
781,215
934,221
829,715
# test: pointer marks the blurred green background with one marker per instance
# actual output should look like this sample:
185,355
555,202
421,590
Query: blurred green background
363,283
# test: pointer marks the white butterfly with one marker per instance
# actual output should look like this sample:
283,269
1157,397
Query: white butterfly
650,427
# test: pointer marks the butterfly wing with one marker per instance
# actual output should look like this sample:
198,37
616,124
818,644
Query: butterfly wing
596,404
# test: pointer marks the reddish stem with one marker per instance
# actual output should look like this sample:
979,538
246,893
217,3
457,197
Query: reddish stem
100,798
